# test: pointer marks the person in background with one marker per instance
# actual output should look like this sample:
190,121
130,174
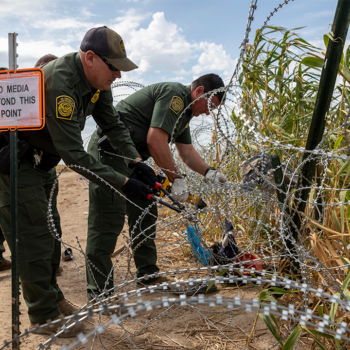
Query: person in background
151,114
77,85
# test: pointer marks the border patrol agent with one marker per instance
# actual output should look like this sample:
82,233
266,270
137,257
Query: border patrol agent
76,85
150,115
5,264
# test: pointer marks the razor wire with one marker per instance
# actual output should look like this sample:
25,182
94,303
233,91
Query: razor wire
262,227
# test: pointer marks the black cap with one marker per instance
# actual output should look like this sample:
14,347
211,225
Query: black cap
108,44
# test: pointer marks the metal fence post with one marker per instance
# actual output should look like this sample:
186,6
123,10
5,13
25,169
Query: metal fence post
281,195
14,207
325,91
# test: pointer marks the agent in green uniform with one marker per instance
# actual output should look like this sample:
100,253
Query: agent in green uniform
76,85
5,264
151,115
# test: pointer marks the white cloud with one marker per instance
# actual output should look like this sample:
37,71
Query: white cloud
30,51
39,48
152,42
62,23
25,8
320,43
127,24
160,46
213,58
86,13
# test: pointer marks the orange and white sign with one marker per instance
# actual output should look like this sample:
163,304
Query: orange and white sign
22,102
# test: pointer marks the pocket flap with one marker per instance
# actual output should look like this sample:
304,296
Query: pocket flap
25,195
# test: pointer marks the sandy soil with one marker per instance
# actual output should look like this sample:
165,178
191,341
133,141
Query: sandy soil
182,328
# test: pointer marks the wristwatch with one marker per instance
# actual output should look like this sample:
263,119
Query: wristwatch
209,168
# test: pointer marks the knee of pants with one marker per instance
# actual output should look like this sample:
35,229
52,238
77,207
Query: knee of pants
148,220
104,227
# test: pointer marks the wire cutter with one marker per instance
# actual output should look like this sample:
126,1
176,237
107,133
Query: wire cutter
177,206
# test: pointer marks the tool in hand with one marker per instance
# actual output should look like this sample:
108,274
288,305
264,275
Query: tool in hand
158,186
194,200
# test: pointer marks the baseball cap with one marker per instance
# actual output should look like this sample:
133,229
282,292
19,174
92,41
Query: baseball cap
108,44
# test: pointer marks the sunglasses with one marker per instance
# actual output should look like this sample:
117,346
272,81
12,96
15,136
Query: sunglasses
110,66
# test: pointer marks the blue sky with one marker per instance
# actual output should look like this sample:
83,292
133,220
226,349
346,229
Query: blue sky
169,40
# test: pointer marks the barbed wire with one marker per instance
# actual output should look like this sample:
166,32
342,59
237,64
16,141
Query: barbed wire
262,224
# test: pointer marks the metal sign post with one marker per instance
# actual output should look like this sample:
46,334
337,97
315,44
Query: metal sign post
329,74
23,91
14,206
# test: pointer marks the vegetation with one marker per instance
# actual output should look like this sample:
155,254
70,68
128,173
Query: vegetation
278,86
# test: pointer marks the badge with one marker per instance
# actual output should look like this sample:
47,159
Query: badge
64,107
176,104
96,96
121,44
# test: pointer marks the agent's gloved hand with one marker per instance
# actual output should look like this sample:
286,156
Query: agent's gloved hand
179,189
135,189
143,171
214,176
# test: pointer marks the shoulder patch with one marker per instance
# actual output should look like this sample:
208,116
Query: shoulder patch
96,96
176,104
64,107
122,46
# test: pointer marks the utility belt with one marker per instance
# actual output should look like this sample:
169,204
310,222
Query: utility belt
105,146
41,160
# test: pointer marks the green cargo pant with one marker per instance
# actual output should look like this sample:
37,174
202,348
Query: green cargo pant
107,211
38,252
2,248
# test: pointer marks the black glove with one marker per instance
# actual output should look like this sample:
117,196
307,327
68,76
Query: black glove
143,171
135,189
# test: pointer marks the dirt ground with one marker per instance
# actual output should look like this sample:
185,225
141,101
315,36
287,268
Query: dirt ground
181,328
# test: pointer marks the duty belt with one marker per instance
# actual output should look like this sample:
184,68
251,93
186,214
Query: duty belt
41,160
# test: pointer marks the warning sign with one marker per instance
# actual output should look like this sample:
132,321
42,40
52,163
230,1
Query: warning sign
22,104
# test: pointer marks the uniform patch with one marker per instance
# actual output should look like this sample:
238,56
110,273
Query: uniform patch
96,96
64,107
121,44
176,104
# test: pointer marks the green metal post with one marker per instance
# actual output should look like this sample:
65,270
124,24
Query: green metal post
14,236
325,91
281,190
14,207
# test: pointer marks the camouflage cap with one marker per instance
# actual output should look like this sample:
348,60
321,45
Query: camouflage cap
108,44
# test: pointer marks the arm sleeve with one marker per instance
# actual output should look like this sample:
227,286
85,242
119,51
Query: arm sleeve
107,118
163,116
185,137
66,137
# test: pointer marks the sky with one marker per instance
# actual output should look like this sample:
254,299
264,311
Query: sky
169,40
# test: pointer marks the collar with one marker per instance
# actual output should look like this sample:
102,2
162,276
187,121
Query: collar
187,97
79,76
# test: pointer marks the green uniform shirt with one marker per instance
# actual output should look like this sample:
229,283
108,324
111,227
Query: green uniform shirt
69,99
160,106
